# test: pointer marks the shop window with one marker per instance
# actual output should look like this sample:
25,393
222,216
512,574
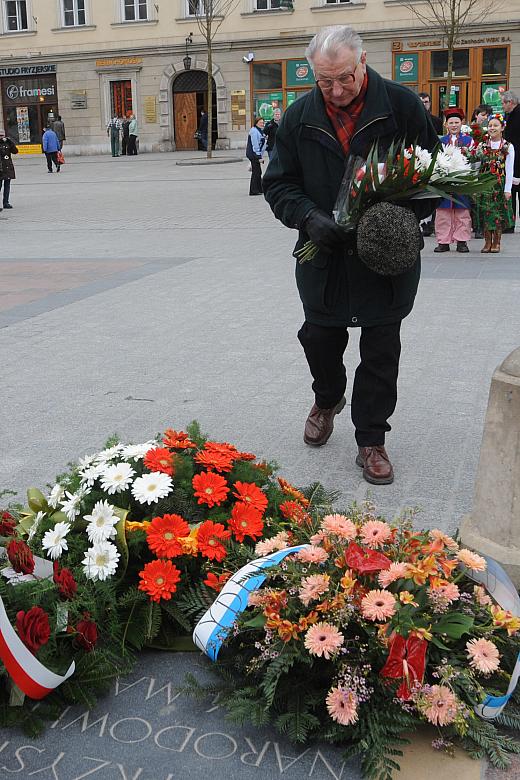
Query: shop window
494,62
439,63
15,15
121,98
267,5
267,75
73,13
135,10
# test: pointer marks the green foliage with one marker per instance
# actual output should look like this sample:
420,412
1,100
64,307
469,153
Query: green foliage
377,738
195,601
195,434
298,721
484,739
274,671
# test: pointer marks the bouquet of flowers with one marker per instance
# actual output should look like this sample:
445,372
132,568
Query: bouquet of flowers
370,631
407,173
128,550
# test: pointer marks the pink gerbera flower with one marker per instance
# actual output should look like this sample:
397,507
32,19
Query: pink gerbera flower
342,706
378,605
481,597
312,554
313,587
472,560
317,538
449,592
323,640
441,705
278,542
375,533
483,655
395,571
339,525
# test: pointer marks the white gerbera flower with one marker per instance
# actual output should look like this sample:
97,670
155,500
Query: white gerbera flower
138,451
109,454
34,527
116,478
54,541
71,505
101,523
90,474
151,487
85,462
56,496
100,561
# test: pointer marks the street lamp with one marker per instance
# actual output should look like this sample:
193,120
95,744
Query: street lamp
187,59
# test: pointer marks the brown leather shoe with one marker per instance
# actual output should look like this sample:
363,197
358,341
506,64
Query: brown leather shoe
376,465
320,424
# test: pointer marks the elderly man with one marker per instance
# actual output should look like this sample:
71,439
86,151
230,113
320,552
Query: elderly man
350,108
510,102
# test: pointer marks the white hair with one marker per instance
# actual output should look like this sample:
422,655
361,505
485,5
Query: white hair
330,40
510,95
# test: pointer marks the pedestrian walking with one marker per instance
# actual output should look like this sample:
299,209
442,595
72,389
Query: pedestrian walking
349,109
270,130
453,218
494,208
114,127
133,136
7,173
59,129
203,130
510,103
254,153
51,147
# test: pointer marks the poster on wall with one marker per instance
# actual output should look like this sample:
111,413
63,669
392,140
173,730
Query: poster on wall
22,120
406,68
454,95
265,105
491,94
299,73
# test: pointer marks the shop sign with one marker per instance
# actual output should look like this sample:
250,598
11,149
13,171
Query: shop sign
26,70
431,44
491,94
477,41
30,148
406,67
111,62
265,105
78,99
29,91
299,73
150,109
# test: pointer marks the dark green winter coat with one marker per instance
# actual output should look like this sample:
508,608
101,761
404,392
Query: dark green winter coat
306,171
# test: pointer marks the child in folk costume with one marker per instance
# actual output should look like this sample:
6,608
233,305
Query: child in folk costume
453,219
494,208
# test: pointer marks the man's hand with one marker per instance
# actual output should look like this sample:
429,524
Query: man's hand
323,231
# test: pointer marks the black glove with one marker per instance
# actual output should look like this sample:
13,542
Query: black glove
323,231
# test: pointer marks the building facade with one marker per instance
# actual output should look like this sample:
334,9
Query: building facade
87,60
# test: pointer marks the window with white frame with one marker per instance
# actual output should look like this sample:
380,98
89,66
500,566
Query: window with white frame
135,10
74,14
195,8
267,5
335,2
15,15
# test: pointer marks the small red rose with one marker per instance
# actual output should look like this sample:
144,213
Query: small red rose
7,524
86,633
33,628
20,557
65,582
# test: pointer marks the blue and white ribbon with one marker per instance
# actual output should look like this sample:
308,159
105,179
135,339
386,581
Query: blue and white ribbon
214,626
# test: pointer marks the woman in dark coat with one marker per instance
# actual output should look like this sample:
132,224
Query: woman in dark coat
7,148
254,153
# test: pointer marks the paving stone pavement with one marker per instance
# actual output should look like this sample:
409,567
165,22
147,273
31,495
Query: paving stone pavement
136,294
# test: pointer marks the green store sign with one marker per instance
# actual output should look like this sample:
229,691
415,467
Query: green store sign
299,73
406,68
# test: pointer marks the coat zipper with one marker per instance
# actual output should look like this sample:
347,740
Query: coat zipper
377,119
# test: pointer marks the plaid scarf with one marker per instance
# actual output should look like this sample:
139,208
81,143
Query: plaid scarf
344,120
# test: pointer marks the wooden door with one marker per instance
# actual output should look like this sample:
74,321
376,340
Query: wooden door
185,120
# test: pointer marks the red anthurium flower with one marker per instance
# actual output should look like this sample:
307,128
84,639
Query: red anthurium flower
406,661
365,561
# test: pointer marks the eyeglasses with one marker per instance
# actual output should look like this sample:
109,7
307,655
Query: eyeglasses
345,81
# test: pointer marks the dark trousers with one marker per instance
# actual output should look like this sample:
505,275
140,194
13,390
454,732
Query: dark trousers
255,187
7,190
52,157
114,143
374,393
132,145
124,144
515,199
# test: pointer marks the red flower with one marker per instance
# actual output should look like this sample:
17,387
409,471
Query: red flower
163,535
249,493
214,460
33,628
210,489
217,583
406,661
365,561
64,581
86,633
159,459
246,521
210,538
159,580
177,440
294,511
20,557
7,524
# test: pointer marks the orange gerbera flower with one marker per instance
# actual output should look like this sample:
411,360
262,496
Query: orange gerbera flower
249,493
246,456
210,489
223,448
159,459
294,511
214,460
211,537
177,440
293,492
246,521
164,535
217,583
159,580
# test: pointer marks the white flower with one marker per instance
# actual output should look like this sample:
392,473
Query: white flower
449,161
109,454
100,561
54,541
72,503
90,474
116,478
423,158
101,523
85,462
151,487
34,527
138,451
56,496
